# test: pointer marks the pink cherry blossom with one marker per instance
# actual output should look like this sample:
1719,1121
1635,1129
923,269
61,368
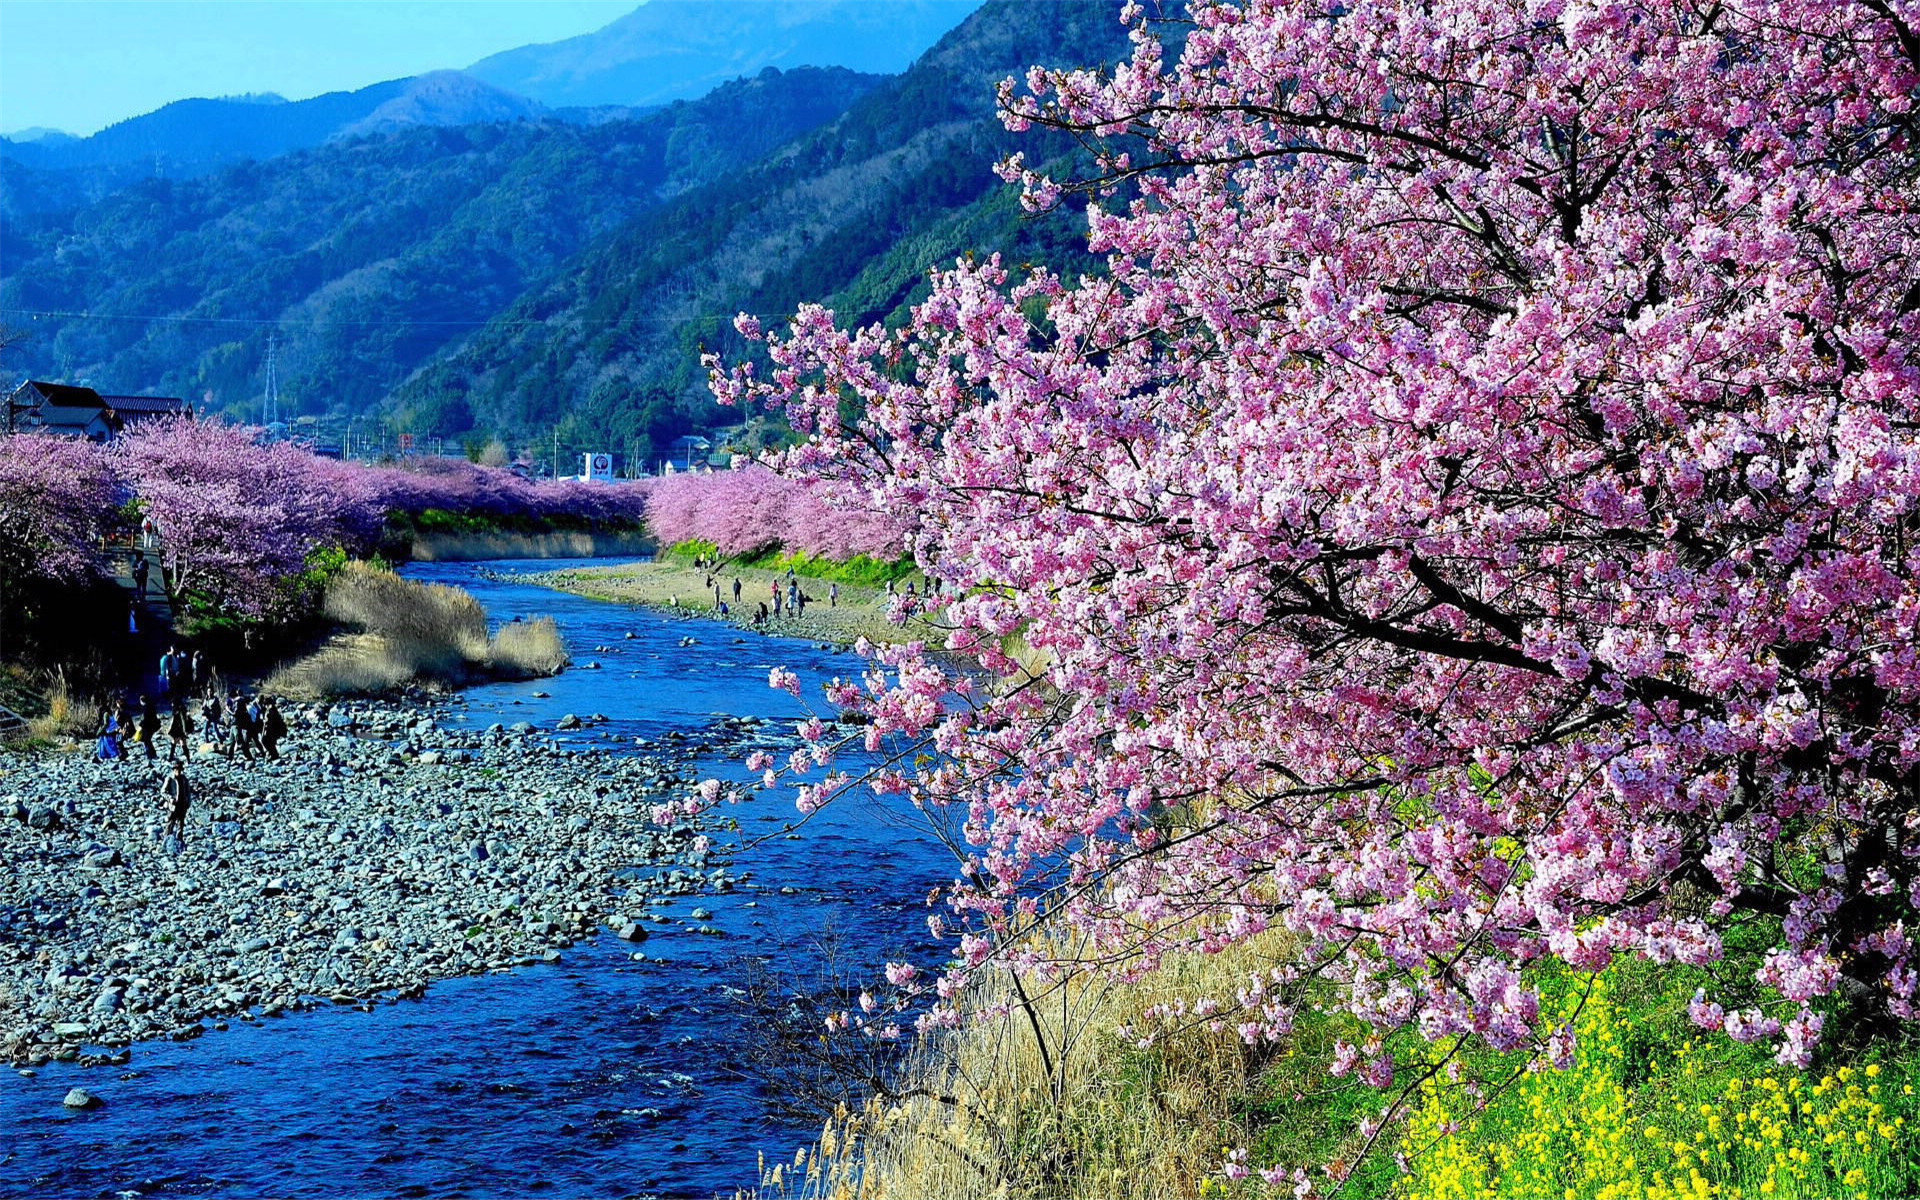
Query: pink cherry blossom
1468,521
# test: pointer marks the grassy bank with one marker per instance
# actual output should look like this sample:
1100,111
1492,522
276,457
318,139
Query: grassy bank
674,584
408,632
1652,1108
1054,1099
860,571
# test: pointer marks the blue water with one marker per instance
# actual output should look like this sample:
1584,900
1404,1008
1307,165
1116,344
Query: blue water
594,1076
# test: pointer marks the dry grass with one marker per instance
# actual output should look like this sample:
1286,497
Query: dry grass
413,631
1095,1117
529,648
67,717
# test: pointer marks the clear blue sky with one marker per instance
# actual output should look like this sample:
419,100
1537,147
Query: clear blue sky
80,65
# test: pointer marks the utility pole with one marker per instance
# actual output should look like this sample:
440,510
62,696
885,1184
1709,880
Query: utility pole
556,452
272,402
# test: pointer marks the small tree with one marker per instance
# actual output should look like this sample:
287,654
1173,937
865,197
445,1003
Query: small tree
58,500
1470,522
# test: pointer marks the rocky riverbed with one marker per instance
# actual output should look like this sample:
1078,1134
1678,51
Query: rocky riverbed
383,853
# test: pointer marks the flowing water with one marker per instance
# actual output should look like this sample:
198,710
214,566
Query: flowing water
594,1076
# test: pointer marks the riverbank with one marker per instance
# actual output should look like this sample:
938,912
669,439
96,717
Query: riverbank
383,853
486,545
671,586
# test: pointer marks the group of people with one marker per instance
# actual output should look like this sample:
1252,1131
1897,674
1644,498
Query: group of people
249,726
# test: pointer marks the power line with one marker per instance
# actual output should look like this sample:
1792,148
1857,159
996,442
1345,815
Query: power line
324,323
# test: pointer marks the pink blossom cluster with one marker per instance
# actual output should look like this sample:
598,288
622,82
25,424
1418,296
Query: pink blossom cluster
750,509
1472,519
238,519
58,501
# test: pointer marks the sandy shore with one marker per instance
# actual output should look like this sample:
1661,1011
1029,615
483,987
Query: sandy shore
861,611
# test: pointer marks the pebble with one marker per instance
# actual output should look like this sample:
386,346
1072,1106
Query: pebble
358,868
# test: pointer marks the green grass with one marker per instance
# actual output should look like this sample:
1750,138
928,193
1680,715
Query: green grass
861,570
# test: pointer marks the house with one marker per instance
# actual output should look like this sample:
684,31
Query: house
82,412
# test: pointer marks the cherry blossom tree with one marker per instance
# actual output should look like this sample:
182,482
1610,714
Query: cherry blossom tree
58,501
752,509
1470,522
239,519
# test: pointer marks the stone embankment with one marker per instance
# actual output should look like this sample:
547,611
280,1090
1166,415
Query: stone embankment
384,852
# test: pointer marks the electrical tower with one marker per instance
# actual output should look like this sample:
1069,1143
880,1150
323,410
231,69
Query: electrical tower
271,405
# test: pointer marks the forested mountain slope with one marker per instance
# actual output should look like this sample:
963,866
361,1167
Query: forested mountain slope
367,255
191,137
856,212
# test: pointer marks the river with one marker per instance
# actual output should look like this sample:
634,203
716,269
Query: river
596,1076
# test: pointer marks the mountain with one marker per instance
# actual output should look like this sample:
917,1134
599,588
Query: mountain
677,49
369,254
40,133
545,277
855,212
192,137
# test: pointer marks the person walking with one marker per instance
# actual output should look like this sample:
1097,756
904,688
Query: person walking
196,673
179,796
170,665
140,572
833,595
149,726
180,731
273,727
213,718
736,589
246,726
111,728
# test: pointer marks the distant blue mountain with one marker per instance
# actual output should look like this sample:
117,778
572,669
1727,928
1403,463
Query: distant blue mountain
670,50
192,137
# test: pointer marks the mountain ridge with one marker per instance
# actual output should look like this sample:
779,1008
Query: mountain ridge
668,50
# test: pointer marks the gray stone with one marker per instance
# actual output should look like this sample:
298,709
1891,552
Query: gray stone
81,1098
69,1029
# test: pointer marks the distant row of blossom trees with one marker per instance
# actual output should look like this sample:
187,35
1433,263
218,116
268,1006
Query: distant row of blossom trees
751,510
240,521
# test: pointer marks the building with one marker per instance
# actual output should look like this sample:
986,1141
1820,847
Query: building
82,412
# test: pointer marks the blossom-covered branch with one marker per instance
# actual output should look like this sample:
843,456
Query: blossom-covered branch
1471,520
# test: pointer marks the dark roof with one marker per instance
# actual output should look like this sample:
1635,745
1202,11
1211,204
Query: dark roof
145,404
64,394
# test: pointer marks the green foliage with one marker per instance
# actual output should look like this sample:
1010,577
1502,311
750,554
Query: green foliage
1650,1103
381,250
1653,1109
861,570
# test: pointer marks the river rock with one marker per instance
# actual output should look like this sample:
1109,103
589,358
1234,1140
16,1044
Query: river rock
81,1098
440,873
